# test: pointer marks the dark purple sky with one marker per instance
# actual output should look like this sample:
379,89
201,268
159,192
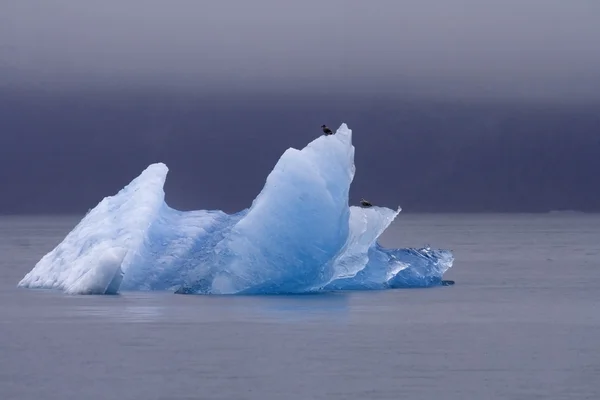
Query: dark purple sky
65,153
456,105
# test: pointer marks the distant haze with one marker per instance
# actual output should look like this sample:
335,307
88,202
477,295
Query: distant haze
496,48
456,105
64,153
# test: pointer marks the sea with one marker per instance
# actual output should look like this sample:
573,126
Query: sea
521,322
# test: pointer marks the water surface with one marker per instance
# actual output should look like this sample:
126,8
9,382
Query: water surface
522,322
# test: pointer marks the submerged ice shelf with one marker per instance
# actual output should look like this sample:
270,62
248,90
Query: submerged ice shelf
298,236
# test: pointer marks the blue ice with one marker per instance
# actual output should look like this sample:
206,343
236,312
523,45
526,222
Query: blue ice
298,236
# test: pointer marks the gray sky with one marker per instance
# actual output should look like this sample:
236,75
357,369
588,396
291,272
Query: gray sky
548,48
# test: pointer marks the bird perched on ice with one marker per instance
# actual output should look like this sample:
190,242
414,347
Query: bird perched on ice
365,203
326,130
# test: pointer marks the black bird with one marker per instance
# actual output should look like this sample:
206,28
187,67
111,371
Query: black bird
365,203
326,130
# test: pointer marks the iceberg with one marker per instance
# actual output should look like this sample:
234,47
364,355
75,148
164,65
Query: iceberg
298,236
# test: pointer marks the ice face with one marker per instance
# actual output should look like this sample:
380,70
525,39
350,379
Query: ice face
94,254
299,235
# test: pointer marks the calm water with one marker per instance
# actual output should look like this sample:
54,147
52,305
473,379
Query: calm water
522,322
